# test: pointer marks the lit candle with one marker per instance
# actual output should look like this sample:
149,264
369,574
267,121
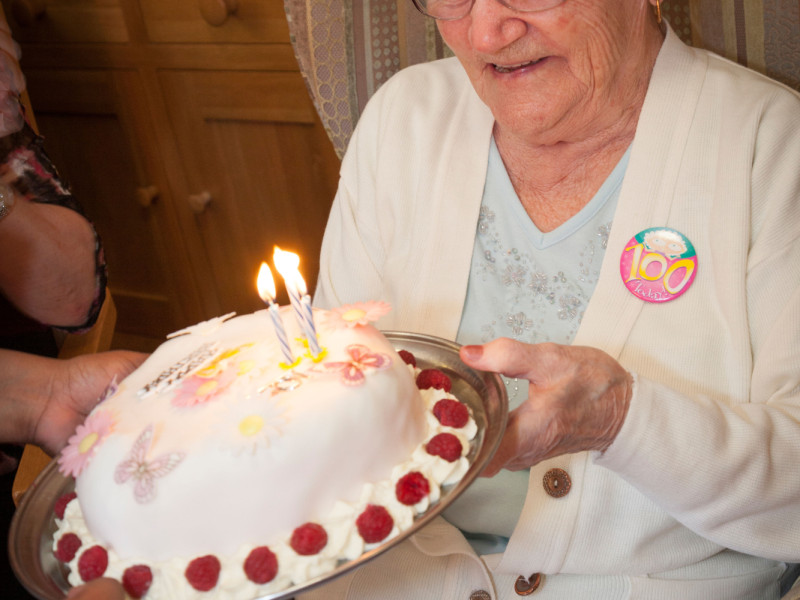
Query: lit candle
266,289
287,264
308,316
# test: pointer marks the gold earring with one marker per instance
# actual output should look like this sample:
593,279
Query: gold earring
658,11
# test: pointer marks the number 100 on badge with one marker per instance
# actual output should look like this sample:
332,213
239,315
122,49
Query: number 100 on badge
658,264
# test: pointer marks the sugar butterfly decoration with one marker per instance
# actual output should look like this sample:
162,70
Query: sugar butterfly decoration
144,473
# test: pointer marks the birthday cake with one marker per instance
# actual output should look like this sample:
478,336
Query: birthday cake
233,464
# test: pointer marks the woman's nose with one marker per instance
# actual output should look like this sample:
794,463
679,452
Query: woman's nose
494,26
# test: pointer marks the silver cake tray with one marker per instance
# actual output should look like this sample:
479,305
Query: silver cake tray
32,528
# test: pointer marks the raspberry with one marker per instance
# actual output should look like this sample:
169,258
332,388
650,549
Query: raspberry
433,378
451,413
61,504
374,524
411,488
407,357
308,539
136,580
203,573
446,446
92,563
67,547
261,565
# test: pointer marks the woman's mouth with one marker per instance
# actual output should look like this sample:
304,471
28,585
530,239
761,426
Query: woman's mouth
516,67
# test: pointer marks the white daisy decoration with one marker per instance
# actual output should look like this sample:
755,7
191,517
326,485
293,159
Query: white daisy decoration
253,425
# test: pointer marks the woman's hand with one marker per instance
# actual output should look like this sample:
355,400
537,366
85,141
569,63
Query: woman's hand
577,399
75,388
43,400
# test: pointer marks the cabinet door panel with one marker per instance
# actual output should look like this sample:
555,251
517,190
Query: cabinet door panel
88,139
252,142
249,21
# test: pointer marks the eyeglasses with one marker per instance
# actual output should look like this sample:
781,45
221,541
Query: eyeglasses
451,10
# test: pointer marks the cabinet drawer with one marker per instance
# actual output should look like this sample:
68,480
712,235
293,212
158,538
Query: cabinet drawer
54,21
217,21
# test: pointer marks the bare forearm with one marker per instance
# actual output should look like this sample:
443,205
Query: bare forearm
26,382
48,265
43,400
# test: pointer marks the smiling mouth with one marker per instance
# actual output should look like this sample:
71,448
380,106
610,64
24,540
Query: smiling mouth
517,67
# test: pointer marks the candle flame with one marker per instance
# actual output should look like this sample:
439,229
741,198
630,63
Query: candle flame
288,264
284,259
265,283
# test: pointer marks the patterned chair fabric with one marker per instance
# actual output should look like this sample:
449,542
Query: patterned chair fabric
347,48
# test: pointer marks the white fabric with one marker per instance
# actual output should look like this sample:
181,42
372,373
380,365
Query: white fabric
708,457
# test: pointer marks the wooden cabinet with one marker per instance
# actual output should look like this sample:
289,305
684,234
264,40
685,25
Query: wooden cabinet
194,147
233,21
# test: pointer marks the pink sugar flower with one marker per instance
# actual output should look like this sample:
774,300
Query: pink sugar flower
360,313
82,445
362,359
204,385
197,389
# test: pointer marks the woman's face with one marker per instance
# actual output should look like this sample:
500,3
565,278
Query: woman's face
556,74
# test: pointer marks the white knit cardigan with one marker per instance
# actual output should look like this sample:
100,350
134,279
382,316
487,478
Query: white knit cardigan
707,464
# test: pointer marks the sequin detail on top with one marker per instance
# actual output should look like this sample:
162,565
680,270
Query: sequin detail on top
534,302
527,285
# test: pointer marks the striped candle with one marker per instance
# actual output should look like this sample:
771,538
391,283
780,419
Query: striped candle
287,264
267,292
308,326
283,339
294,300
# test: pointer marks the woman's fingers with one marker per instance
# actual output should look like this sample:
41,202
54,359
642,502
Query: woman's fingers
577,399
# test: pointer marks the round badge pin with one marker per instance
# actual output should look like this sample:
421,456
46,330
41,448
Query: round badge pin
658,264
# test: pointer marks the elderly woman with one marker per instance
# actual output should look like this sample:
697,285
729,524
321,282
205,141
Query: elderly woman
615,217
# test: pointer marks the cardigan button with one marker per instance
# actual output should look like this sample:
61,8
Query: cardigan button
526,586
480,595
557,483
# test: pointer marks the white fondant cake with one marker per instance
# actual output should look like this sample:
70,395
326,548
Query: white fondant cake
215,469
